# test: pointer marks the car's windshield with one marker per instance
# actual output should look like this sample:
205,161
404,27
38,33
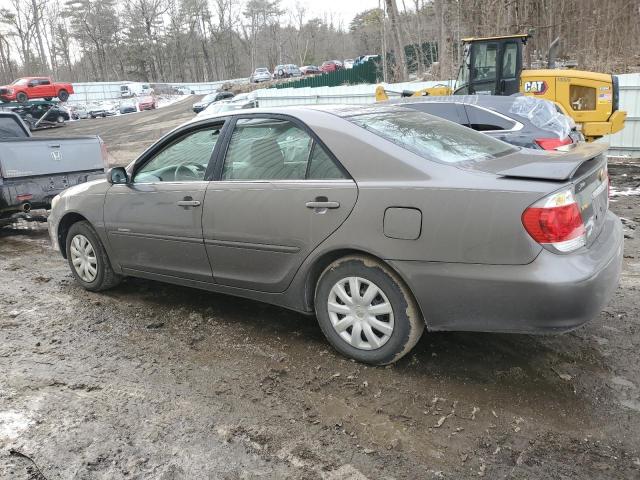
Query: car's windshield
431,137
261,70
209,98
20,81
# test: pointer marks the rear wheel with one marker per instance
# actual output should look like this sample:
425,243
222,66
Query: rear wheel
366,312
63,95
22,97
88,259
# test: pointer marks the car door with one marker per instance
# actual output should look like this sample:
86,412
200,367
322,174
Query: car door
483,68
279,193
41,88
154,222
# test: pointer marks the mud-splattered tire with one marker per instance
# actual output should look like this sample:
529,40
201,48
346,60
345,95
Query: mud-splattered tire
380,323
22,97
83,244
63,95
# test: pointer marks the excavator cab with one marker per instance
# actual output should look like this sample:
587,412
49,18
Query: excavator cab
491,66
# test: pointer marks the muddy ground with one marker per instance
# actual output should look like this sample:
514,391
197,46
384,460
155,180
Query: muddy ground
151,381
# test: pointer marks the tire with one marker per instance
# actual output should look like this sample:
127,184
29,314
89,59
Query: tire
60,119
63,95
104,276
48,99
22,97
403,326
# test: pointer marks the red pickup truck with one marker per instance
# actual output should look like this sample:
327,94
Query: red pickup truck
28,88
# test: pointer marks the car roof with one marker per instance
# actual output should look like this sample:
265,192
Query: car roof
342,111
501,104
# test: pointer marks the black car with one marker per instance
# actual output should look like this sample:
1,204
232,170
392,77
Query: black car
209,99
523,121
53,113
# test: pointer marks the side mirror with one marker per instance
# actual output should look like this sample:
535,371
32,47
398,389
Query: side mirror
117,175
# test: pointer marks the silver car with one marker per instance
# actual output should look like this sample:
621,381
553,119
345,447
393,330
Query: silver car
260,75
380,220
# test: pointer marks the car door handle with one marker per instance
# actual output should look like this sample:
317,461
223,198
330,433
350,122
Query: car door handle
325,204
188,203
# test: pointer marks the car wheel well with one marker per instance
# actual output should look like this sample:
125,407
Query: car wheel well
328,258
63,229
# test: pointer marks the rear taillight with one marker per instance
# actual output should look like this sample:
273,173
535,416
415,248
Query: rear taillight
553,143
555,221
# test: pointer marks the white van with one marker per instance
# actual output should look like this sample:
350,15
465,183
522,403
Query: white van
135,89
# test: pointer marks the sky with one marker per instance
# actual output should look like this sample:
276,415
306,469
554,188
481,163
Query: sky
344,10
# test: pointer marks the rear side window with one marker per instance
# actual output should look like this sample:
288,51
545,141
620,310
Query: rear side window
275,149
484,120
582,98
430,137
9,128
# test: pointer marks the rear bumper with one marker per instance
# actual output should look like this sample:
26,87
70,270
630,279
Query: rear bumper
554,293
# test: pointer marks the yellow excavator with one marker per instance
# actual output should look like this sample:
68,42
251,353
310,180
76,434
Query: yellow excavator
494,66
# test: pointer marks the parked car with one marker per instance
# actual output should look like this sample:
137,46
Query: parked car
523,121
33,171
365,58
183,91
348,63
310,70
209,99
379,219
242,101
133,89
260,75
330,66
128,106
81,111
148,102
31,113
286,71
27,88
102,110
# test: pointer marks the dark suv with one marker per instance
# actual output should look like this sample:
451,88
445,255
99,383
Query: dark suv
286,71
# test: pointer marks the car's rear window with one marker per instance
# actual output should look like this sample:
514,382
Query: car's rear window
431,137
10,128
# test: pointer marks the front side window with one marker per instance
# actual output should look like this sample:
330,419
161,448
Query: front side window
509,59
484,61
184,160
274,149
430,137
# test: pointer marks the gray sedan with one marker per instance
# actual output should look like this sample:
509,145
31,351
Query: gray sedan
379,219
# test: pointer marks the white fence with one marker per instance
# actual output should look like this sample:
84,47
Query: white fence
347,94
627,142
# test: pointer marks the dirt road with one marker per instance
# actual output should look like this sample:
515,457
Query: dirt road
151,381
127,136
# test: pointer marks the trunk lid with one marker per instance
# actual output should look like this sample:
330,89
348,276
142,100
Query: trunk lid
583,167
541,164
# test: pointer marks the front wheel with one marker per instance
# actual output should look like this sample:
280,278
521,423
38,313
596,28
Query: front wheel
88,259
366,312
22,97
